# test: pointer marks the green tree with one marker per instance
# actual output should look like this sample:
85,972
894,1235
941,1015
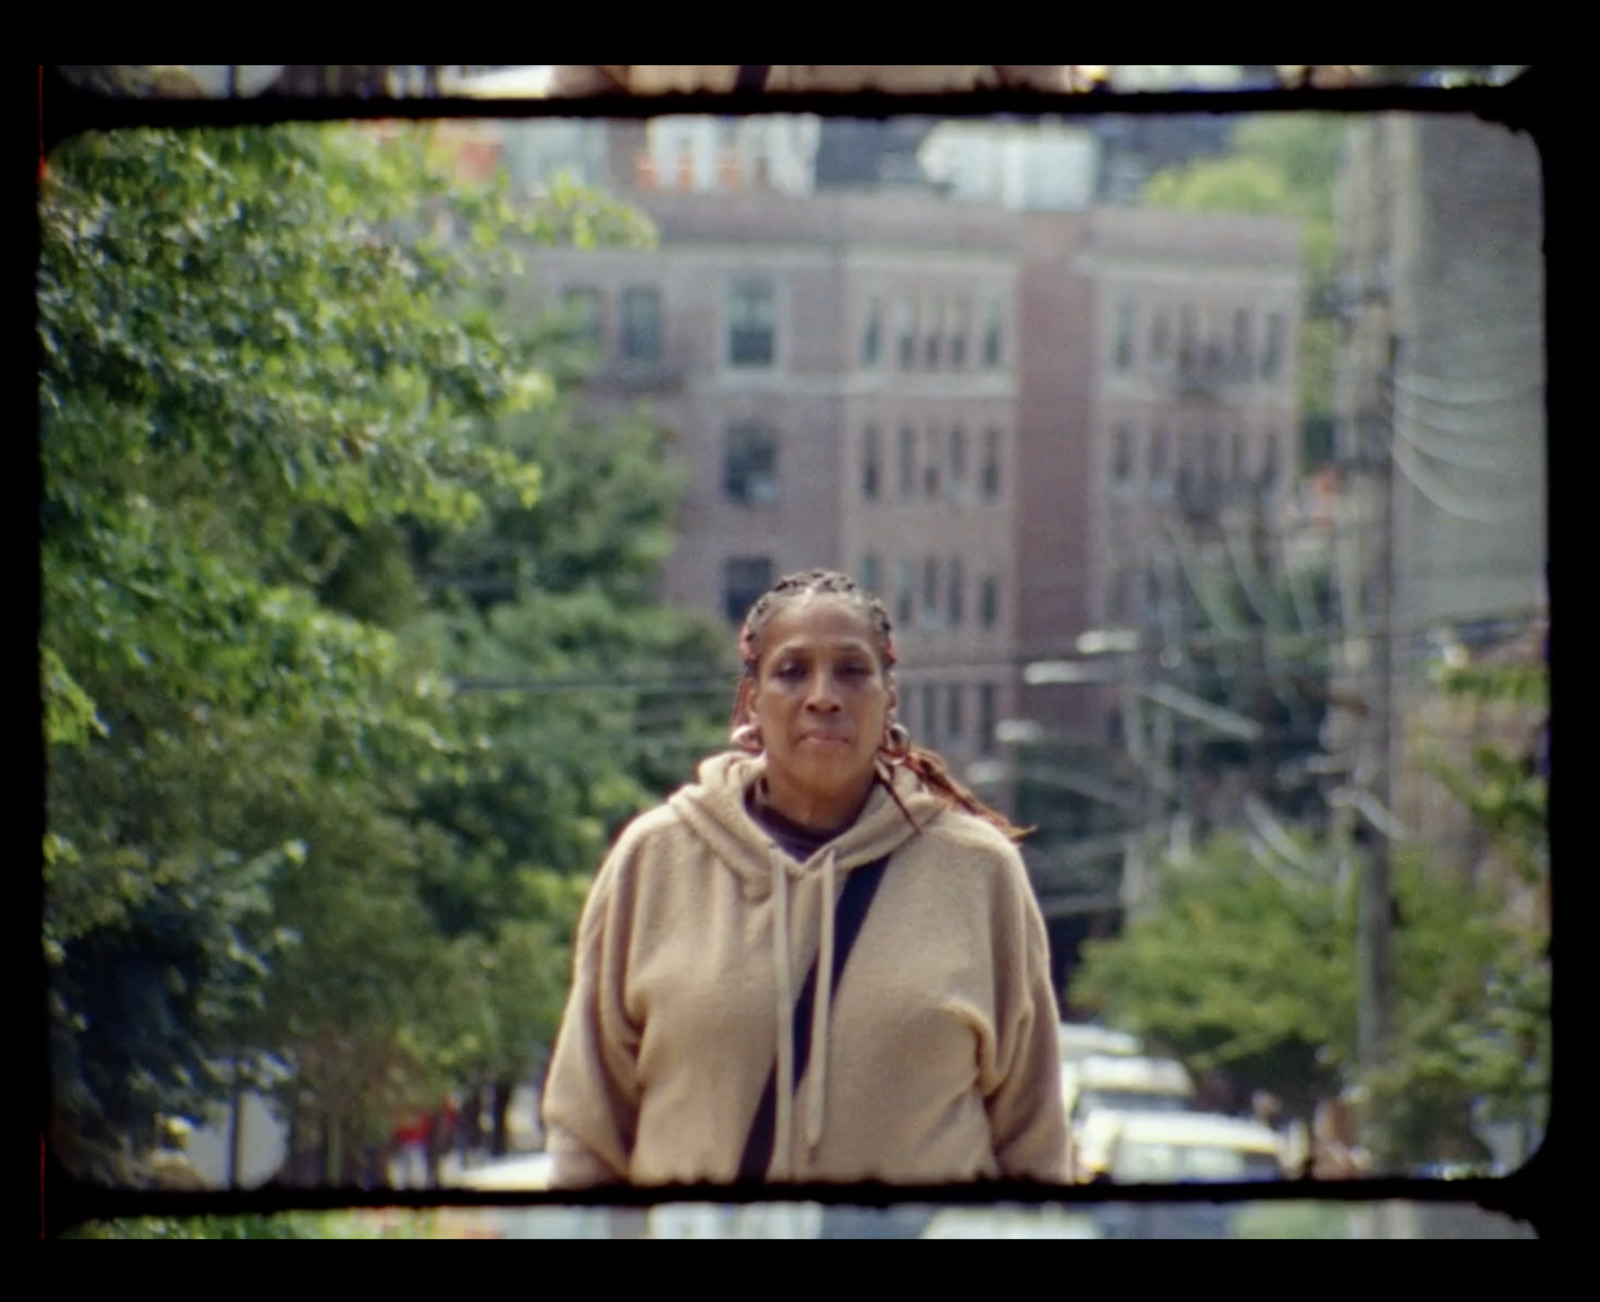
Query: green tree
1247,962
263,366
1239,966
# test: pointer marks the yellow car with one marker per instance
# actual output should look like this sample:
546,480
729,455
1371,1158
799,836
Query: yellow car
1175,1148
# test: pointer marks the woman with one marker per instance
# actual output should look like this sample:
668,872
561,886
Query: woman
722,1025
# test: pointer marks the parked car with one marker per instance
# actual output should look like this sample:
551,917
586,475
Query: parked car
1080,1040
1176,1148
1137,1084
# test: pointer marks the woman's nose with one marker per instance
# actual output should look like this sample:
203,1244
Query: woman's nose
824,694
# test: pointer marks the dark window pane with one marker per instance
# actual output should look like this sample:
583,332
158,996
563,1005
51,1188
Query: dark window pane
752,324
908,461
872,336
744,579
641,325
871,464
750,464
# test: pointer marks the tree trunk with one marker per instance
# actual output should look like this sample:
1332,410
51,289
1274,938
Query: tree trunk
500,1134
472,1125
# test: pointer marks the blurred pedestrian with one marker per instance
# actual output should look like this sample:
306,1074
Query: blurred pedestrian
409,1170
723,1025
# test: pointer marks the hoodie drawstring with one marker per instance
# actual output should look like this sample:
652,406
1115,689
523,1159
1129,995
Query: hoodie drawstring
782,1145
817,1096
821,1014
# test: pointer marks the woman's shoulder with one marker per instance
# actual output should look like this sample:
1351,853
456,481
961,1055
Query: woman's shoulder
646,830
956,826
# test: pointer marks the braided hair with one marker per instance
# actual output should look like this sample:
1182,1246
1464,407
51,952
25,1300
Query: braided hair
928,766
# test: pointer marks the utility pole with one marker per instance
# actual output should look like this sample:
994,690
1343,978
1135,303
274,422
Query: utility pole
1385,659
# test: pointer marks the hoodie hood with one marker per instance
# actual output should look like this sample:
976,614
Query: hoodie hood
715,808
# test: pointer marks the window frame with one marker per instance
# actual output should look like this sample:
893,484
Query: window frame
1528,1194
755,587
752,435
626,334
733,330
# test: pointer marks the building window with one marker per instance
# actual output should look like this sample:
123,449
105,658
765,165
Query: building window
930,467
1122,459
1241,341
908,461
989,601
958,593
744,579
1161,338
641,325
752,323
1237,472
871,464
991,464
1160,456
955,724
988,717
750,464
907,334
1125,324
870,575
582,306
960,324
958,461
935,335
872,336
903,588
930,593
1272,350
992,329
930,714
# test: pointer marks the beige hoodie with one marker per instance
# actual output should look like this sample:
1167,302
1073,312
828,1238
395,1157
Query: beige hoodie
934,1061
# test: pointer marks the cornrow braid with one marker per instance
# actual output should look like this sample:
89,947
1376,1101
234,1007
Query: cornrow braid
928,766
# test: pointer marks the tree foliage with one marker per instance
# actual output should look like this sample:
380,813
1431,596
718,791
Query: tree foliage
289,446
1248,962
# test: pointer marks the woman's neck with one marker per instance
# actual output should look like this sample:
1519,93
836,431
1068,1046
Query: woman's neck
816,813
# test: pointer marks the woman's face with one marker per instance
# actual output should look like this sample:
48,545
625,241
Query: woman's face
822,703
